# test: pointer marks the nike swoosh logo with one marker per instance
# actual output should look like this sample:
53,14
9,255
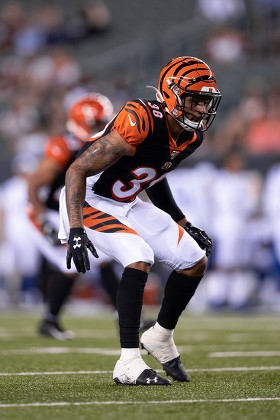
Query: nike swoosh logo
131,122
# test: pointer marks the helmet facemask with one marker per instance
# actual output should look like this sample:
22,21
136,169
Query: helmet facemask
188,116
188,90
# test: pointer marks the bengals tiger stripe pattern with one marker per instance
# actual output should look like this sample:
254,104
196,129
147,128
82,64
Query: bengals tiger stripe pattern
102,222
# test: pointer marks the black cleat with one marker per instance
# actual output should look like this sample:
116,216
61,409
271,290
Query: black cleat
148,377
176,370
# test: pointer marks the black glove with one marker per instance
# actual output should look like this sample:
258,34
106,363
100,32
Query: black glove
78,245
200,237
50,233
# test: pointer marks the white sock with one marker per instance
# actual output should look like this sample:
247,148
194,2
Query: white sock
130,353
162,332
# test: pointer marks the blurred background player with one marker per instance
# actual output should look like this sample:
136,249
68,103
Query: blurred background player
19,255
235,199
90,113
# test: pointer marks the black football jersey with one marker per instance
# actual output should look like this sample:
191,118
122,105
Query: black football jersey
142,123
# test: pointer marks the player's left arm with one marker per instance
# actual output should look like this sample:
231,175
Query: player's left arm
44,175
161,196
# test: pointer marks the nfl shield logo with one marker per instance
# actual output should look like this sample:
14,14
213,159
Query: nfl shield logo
166,166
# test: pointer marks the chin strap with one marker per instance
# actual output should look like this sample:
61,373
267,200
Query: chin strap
187,126
158,94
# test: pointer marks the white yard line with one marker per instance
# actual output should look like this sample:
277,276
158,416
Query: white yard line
103,372
245,354
61,350
241,338
250,350
65,404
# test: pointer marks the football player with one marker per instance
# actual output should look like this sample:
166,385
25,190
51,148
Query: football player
100,206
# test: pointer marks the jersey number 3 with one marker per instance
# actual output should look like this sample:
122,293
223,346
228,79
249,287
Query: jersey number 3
144,175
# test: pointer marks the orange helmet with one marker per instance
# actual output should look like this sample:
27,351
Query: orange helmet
89,114
188,76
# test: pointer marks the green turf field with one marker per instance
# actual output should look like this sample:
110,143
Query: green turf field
233,361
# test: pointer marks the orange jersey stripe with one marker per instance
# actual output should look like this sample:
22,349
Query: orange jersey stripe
181,233
134,122
103,222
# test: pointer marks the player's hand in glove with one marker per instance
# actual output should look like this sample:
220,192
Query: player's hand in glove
50,233
200,237
78,245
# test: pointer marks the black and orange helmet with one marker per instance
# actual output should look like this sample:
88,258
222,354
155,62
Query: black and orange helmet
89,114
188,76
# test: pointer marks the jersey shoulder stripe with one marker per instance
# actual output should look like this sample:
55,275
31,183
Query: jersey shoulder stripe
134,122
147,118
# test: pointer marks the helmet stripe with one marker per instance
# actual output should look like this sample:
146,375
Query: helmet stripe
166,71
198,79
183,63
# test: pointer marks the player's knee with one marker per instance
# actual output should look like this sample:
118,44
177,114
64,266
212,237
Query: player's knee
198,269
140,265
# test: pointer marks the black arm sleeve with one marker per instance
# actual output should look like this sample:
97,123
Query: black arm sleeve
161,196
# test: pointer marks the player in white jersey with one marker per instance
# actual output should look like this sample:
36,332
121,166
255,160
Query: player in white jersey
235,199
19,256
271,207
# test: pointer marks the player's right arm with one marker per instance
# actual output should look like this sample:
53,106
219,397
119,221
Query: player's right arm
53,163
102,154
